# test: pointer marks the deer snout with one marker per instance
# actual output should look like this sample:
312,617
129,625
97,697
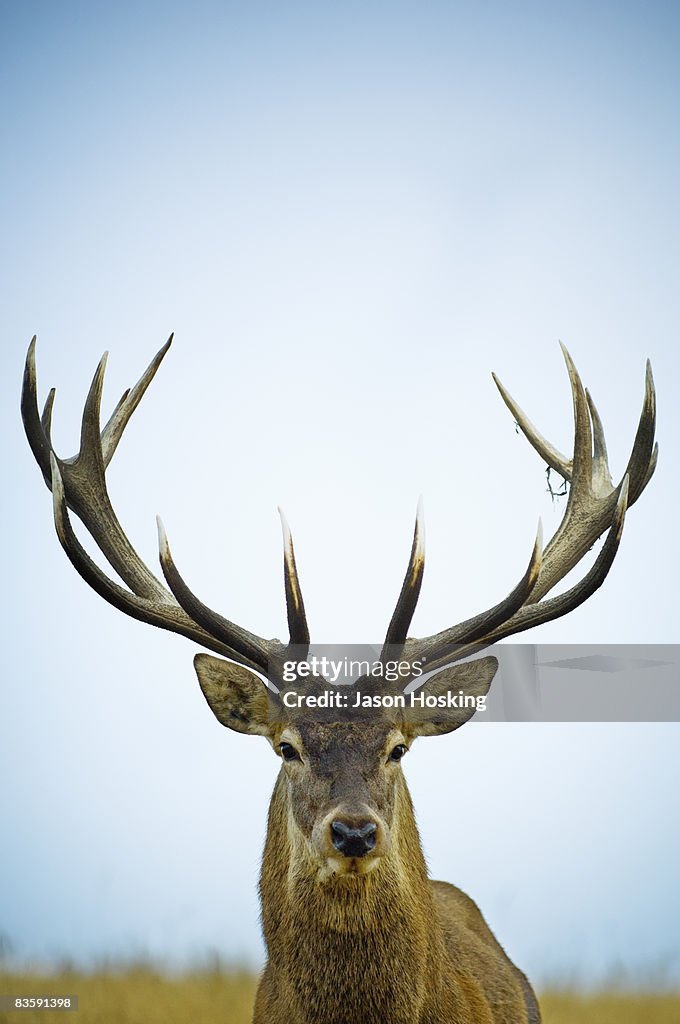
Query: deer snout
354,839
351,842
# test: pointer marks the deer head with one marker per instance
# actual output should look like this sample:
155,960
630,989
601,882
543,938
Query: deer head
341,761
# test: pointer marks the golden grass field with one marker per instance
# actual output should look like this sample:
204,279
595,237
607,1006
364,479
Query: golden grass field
143,996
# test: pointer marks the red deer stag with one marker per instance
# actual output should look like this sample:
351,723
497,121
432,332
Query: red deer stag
354,929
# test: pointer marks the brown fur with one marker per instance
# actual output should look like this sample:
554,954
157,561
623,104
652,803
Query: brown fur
389,946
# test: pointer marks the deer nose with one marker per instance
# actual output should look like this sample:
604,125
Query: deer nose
353,840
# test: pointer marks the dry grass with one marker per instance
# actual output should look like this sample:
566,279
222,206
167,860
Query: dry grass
143,996
614,1008
137,996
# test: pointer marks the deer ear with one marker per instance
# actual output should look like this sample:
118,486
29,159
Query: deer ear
473,678
237,697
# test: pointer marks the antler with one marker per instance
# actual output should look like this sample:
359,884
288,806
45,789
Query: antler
79,484
594,506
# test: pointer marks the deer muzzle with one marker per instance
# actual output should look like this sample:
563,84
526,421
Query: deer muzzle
351,843
353,840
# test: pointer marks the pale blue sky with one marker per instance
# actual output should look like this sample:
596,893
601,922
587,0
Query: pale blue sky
349,214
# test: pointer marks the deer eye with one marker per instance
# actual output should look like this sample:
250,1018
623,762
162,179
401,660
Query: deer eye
398,752
288,752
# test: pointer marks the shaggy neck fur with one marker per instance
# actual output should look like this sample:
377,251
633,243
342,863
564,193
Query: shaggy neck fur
341,948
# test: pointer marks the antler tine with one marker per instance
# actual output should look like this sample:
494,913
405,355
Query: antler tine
90,453
410,589
257,650
601,475
33,424
555,459
642,461
582,459
113,430
652,466
46,418
295,607
580,463
481,625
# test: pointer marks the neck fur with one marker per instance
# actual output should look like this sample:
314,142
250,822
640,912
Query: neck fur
356,947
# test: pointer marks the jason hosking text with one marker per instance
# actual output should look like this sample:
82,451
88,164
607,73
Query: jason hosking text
357,699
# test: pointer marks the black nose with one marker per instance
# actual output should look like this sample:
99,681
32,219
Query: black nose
353,841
